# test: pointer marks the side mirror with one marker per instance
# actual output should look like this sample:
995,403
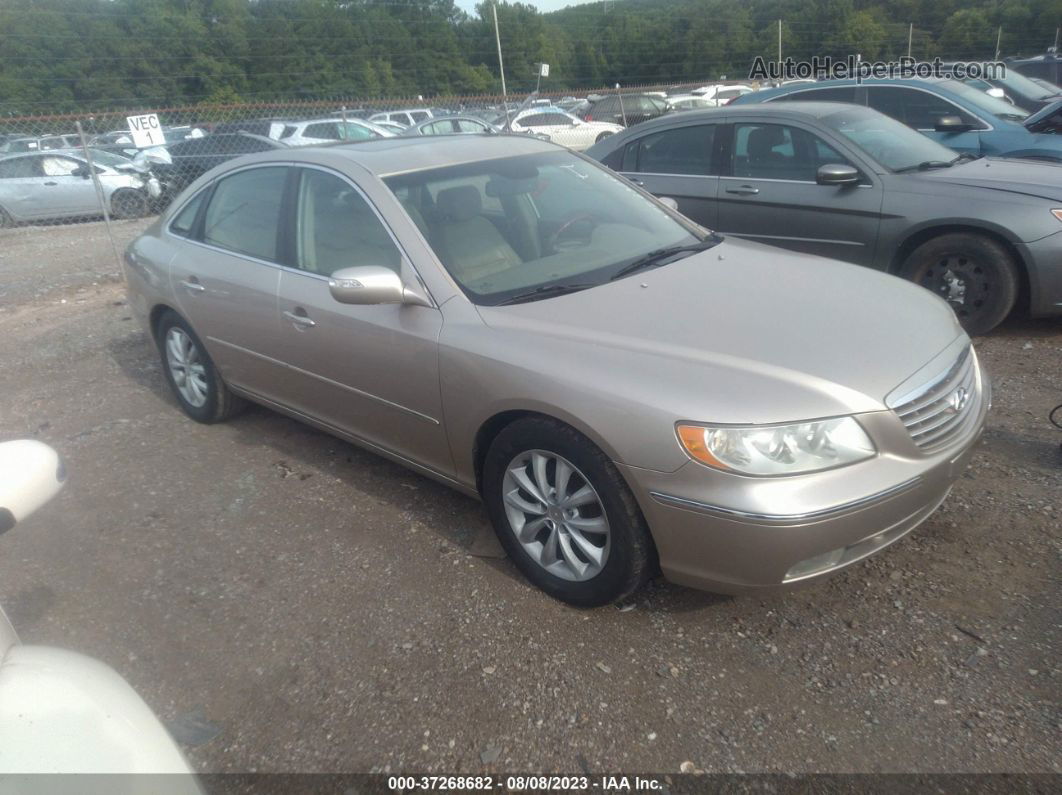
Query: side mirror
368,285
30,475
82,171
668,202
952,124
837,174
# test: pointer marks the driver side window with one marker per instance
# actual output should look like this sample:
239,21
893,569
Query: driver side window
336,228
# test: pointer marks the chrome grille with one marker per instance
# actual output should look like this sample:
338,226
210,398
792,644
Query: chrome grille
940,411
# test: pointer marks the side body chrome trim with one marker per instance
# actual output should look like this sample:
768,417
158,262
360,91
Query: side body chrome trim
787,518
329,381
360,442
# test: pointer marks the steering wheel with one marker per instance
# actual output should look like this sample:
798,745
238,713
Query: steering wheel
555,238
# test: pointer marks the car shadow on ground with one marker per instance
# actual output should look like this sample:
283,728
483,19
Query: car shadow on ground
301,448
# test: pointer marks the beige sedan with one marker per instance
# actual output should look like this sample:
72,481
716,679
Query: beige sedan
625,390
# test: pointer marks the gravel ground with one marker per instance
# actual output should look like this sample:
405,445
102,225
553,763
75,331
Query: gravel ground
288,602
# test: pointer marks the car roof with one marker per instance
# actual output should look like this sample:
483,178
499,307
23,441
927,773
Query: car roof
388,156
792,88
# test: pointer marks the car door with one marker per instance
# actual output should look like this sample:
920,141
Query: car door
564,129
369,371
23,193
677,162
770,194
71,190
225,277
320,132
922,109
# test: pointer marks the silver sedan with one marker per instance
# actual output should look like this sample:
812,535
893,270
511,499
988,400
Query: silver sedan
625,390
40,186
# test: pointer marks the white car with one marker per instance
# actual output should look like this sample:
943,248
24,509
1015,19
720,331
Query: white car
326,131
40,186
689,102
561,127
721,93
407,117
62,712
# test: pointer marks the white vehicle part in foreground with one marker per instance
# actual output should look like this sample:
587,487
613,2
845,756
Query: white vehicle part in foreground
60,711
63,712
30,475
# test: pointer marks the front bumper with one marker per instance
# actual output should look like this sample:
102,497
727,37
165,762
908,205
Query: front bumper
733,534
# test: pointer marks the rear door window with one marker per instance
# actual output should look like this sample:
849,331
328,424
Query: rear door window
244,212
682,150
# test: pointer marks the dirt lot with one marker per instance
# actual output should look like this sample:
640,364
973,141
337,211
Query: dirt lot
316,608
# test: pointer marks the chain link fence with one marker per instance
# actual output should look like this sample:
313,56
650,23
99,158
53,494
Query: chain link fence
79,167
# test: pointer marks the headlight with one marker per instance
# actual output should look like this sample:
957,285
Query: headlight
778,449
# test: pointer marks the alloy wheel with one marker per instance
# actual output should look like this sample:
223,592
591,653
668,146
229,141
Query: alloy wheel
186,367
556,515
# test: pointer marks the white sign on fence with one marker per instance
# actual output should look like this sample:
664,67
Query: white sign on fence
146,130
543,70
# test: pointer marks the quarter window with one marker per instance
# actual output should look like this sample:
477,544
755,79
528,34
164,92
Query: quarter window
185,220
244,212
336,228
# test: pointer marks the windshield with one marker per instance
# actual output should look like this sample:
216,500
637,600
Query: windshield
508,226
1020,84
894,145
992,105
103,158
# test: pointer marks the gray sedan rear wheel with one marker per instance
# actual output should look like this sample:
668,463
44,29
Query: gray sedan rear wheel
564,514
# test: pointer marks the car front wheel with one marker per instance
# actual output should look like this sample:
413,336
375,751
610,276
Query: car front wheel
564,514
975,274
191,374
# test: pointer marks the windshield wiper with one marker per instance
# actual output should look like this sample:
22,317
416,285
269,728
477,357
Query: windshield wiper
925,165
655,258
545,291
966,156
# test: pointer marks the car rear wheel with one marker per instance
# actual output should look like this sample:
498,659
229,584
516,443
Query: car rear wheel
129,204
196,383
603,136
975,274
5,219
564,514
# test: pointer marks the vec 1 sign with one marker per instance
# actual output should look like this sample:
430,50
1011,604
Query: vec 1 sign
146,130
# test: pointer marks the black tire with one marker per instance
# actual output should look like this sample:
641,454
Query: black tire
975,274
128,204
6,221
602,137
220,403
631,556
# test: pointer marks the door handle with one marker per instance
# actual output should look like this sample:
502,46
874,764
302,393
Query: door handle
302,320
193,285
638,182
744,190
51,184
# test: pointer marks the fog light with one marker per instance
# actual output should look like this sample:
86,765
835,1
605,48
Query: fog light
816,564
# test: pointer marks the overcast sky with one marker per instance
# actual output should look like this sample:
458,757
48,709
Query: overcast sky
541,5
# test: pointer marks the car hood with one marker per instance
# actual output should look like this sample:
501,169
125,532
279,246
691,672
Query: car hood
741,333
1027,177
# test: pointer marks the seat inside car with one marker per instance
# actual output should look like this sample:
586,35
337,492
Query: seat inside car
466,241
